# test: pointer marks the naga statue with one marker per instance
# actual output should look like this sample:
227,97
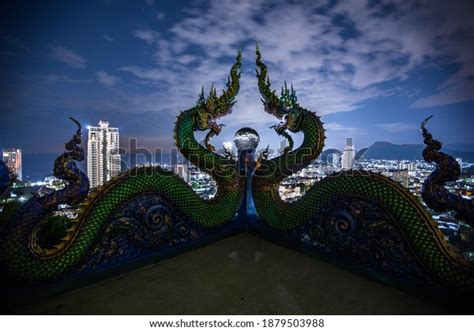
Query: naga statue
356,219
435,195
19,251
21,254
359,218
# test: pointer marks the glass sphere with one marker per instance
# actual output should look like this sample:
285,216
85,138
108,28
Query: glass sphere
246,138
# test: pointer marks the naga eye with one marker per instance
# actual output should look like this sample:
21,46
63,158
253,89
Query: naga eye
285,109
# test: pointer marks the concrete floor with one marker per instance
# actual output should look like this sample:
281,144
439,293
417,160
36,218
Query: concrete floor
239,275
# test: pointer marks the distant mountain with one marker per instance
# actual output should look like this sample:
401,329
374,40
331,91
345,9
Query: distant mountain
360,153
389,151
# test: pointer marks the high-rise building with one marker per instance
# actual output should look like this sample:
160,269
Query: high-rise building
348,155
12,158
103,158
336,160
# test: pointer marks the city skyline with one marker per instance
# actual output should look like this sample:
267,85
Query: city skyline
147,61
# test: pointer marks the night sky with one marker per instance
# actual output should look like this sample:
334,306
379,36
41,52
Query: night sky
372,69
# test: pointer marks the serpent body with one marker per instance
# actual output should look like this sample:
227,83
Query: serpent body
417,227
23,258
436,196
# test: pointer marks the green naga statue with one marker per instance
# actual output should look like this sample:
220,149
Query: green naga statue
357,219
404,214
22,257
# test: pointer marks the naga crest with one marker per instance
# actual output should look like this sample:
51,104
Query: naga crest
210,108
285,107
74,144
435,145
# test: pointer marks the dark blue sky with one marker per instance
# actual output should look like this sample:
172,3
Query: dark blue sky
372,69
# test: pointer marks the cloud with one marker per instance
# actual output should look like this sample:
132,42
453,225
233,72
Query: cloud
160,16
333,126
150,36
144,73
54,78
108,38
445,97
340,56
457,88
67,56
303,43
106,79
396,127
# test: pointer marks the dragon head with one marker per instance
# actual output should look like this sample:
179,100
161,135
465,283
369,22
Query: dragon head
209,109
74,145
285,107
212,107
429,141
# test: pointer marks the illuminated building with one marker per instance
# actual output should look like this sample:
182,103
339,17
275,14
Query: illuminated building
348,155
12,158
103,158
336,160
